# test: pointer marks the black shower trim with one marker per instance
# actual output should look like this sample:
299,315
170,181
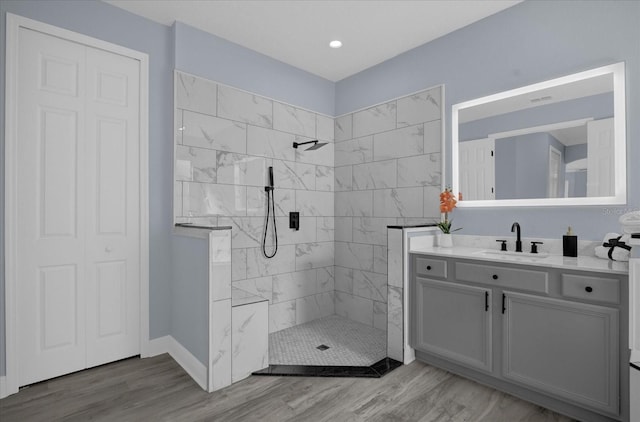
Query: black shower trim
377,370
410,226
194,226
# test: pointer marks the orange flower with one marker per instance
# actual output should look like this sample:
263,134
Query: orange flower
447,204
447,201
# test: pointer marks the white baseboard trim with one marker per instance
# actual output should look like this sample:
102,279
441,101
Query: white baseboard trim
3,387
182,356
189,363
157,346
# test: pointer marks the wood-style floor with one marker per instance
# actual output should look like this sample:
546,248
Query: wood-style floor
157,389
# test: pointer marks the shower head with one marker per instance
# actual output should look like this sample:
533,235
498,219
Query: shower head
316,145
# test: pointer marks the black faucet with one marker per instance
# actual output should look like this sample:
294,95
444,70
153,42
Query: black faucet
516,227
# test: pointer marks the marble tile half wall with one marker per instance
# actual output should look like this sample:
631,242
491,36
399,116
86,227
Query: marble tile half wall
388,171
225,141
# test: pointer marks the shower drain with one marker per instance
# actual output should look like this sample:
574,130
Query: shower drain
322,347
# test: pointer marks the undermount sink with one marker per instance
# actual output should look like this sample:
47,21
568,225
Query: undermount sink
527,255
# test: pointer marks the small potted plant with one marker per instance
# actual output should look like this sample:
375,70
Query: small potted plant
447,204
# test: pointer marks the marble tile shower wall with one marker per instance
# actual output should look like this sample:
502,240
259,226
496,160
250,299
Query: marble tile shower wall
225,143
387,171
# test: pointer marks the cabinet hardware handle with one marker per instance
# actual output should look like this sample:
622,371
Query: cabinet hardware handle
495,276
504,308
589,289
428,267
486,301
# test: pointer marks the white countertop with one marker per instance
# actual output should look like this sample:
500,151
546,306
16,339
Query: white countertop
581,263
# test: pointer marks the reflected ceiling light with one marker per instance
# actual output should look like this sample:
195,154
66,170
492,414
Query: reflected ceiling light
335,44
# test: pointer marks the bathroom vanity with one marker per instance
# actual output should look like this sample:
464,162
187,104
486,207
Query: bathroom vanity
548,329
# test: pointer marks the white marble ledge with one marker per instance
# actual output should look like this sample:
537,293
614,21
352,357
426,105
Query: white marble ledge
581,263
192,230
239,297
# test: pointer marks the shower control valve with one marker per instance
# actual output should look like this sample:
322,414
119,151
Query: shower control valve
294,220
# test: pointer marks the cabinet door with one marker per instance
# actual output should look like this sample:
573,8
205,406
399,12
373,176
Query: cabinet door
453,321
564,348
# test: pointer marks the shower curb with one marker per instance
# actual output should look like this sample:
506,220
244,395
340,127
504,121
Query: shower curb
377,370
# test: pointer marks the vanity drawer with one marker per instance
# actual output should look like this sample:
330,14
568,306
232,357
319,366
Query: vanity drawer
431,267
591,288
534,281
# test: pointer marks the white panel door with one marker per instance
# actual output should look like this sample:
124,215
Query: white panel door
74,165
555,158
51,218
477,169
113,230
600,158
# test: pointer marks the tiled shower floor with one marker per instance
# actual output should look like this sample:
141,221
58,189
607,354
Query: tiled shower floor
350,344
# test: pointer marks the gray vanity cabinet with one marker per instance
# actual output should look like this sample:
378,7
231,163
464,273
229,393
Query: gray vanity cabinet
565,348
466,335
554,336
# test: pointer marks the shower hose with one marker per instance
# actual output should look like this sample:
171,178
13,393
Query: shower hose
271,209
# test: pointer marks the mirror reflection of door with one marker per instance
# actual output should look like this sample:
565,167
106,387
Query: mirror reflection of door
477,169
600,159
555,159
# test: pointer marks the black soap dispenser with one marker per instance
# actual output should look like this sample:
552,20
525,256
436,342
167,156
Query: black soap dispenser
570,244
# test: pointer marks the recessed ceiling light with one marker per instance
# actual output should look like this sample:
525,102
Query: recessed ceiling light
335,44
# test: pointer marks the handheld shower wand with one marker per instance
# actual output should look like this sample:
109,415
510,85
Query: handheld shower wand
271,209
271,177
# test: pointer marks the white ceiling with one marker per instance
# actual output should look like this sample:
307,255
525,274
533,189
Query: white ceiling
297,32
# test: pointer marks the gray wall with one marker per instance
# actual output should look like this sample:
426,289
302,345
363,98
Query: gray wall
190,295
518,171
530,42
577,184
522,166
575,152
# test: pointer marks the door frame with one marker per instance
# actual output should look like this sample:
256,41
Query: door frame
14,24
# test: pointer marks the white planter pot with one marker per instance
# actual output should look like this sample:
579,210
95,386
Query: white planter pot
445,240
